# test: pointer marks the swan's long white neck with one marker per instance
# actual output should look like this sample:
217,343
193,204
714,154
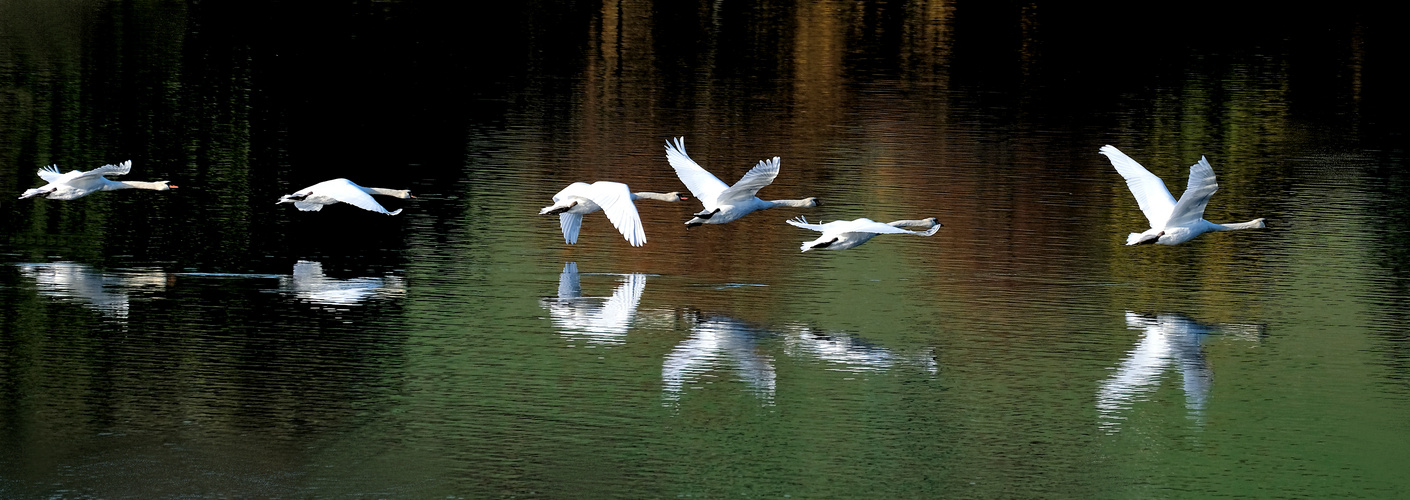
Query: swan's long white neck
158,185
921,223
1253,224
806,202
657,196
395,193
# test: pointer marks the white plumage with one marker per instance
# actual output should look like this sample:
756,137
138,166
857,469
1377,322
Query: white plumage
844,234
1172,222
725,203
314,197
77,184
612,198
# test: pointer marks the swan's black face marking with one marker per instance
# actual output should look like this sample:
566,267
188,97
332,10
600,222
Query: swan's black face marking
825,244
707,215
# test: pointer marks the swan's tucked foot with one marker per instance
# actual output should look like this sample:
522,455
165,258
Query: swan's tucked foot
557,210
1147,239
824,244
694,222
706,214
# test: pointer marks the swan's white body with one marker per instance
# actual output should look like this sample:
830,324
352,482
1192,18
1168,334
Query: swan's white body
314,197
612,198
76,184
844,234
1171,222
725,203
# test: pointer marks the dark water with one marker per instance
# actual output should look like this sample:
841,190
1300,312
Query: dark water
206,342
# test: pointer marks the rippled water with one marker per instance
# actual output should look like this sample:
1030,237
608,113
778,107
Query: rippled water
206,342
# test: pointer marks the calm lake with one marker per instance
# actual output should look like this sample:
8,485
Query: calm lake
206,342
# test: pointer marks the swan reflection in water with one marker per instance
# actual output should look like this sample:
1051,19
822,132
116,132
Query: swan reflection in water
597,320
853,353
1167,340
309,284
713,343
105,292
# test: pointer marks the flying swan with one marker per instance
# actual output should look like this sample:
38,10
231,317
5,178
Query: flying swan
314,197
76,184
1172,222
844,234
612,198
726,203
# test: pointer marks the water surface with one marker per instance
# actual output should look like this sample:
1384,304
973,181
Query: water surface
206,342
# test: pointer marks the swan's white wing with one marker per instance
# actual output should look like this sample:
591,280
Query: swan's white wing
574,189
1151,195
119,169
701,183
1190,208
802,222
570,223
616,201
345,191
755,179
868,226
50,173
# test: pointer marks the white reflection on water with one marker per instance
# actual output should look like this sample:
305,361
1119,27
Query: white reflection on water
598,320
715,342
309,284
853,353
105,292
1167,339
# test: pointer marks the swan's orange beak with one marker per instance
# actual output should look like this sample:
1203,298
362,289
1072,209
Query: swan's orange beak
172,186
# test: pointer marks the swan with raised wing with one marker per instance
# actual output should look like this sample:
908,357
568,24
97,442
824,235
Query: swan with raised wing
76,184
1171,222
611,198
313,198
844,234
726,203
